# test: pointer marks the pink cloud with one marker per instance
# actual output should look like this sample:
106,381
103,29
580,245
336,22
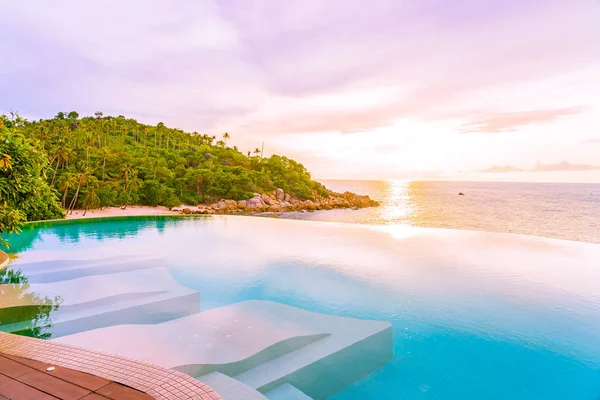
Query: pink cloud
226,55
502,169
564,166
541,167
505,122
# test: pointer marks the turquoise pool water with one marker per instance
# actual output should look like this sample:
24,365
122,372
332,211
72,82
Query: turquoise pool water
475,315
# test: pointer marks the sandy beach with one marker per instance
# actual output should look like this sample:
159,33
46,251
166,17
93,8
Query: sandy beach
130,211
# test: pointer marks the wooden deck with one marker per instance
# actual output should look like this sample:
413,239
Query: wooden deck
157,382
26,379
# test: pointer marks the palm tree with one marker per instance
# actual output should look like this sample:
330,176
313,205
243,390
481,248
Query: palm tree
134,184
226,137
62,155
257,151
126,171
83,175
154,166
43,135
89,144
104,152
66,182
91,199
220,143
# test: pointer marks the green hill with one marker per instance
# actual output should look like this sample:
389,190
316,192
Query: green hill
115,161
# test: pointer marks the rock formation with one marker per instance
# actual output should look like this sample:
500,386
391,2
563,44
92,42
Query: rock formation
279,201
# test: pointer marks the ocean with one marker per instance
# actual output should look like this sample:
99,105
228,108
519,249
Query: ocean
568,211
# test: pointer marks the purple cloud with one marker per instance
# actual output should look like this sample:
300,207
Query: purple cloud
203,65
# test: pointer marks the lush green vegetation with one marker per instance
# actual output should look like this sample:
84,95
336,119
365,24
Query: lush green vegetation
24,192
116,161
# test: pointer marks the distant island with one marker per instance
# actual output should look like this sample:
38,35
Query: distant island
104,161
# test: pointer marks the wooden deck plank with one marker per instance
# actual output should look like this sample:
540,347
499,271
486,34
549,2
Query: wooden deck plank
19,380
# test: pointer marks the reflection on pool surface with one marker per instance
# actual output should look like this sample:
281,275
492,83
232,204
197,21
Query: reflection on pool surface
473,315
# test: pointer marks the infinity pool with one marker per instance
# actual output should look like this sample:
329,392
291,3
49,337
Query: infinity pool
473,315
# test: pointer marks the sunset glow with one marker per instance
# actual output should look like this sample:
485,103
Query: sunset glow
423,90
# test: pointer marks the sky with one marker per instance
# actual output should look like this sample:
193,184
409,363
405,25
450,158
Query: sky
353,89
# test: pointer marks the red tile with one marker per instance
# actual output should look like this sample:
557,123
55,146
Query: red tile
12,389
54,386
12,368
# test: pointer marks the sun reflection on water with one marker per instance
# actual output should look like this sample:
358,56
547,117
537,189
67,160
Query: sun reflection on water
397,207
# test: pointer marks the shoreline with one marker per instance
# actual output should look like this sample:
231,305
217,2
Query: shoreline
130,211
278,201
274,202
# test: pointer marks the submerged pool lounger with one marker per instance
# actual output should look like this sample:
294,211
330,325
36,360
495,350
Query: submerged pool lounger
251,350
139,296
261,344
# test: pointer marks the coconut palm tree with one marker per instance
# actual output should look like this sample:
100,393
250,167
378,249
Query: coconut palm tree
226,137
62,153
91,199
134,182
83,175
104,153
127,169
66,182
43,134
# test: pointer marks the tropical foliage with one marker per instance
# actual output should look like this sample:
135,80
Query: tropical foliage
24,192
116,161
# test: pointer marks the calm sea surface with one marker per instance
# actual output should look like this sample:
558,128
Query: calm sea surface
557,210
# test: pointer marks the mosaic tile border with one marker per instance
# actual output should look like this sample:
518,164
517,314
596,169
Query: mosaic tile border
160,383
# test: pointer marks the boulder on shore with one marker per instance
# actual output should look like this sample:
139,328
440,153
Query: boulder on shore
266,199
280,194
275,208
279,201
255,203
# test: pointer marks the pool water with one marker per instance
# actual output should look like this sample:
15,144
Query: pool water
474,315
